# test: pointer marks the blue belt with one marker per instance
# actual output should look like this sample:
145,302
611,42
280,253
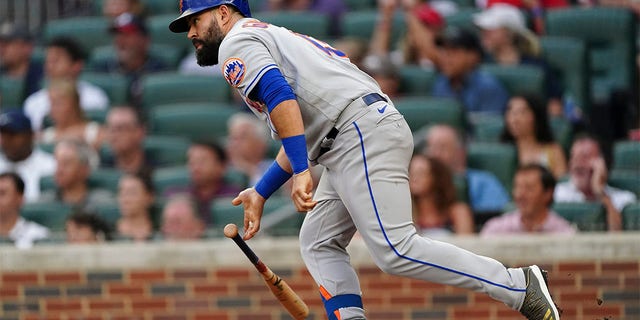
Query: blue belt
372,98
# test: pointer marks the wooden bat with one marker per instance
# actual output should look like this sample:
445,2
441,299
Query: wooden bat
287,297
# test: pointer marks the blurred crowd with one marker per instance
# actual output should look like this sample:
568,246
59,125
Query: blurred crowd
118,135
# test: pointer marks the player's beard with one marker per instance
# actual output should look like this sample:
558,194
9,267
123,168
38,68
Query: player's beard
207,55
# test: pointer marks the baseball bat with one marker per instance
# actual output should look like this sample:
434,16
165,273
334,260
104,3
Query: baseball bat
280,289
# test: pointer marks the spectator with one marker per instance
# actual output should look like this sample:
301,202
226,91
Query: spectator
484,191
333,9
418,47
247,146
533,195
16,51
508,41
207,166
460,77
86,228
435,207
75,160
20,155
527,127
125,135
180,220
136,202
588,181
21,232
385,73
535,9
354,48
113,8
64,59
68,117
133,57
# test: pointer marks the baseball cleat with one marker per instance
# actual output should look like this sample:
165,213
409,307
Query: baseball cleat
538,304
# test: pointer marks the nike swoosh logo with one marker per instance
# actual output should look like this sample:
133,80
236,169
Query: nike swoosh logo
381,110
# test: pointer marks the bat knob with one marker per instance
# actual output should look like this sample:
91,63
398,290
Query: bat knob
230,230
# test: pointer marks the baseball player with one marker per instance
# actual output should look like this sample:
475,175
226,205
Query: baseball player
326,111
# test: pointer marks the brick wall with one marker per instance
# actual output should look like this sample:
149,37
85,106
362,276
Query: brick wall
585,290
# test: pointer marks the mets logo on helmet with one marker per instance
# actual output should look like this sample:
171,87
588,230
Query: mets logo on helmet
234,70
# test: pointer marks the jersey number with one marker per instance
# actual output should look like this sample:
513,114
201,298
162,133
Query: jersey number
326,48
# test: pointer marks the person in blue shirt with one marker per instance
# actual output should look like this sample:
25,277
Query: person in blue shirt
459,57
484,192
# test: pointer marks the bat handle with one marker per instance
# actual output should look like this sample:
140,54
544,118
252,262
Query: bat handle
245,248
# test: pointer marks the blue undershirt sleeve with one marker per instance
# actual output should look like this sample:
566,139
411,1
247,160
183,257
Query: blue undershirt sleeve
272,89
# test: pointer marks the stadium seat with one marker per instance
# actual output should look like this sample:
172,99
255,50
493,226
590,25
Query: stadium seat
587,216
110,212
304,22
49,214
90,32
416,81
194,121
626,155
562,132
567,58
157,7
290,220
360,5
518,79
107,179
168,54
487,128
360,24
116,86
165,178
625,179
167,88
160,33
498,158
463,18
631,217
422,111
11,93
222,212
610,35
167,150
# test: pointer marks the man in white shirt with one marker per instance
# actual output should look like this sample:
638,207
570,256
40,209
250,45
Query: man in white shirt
588,182
19,155
64,58
22,232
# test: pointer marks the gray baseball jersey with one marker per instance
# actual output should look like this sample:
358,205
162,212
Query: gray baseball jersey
364,185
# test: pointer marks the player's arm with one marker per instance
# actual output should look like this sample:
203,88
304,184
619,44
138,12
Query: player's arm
277,95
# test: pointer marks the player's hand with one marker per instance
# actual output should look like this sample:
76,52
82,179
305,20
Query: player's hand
253,204
387,7
302,191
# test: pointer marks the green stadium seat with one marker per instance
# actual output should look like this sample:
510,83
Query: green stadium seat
518,79
160,33
626,180
498,158
360,5
291,220
626,155
165,178
109,212
116,86
194,121
167,150
90,32
49,214
562,131
587,216
304,22
610,35
107,179
167,88
488,128
157,7
422,111
11,93
631,217
222,212
416,81
168,54
567,57
360,24
463,18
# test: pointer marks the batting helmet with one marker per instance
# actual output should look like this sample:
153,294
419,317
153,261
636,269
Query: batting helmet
190,7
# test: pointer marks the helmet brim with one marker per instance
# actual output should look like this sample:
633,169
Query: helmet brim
180,25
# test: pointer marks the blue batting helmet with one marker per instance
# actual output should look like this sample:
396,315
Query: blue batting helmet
190,7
